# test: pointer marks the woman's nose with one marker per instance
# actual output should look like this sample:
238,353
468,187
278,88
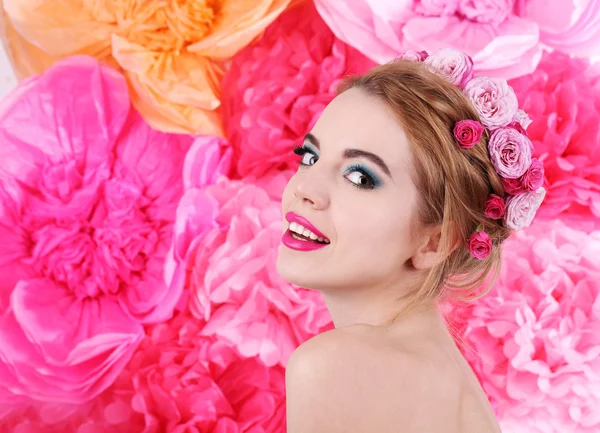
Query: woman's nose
312,193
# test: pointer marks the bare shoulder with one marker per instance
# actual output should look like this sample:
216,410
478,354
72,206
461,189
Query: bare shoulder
351,379
357,379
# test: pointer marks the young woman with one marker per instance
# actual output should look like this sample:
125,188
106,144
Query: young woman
408,184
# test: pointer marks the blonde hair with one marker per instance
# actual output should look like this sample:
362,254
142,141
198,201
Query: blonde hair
453,184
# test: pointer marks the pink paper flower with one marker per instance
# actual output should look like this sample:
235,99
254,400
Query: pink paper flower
184,381
468,133
452,64
494,100
494,207
436,7
480,245
87,202
570,26
225,247
563,99
177,381
276,89
510,152
535,334
381,30
486,11
521,209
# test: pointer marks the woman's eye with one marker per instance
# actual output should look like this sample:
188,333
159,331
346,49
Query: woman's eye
309,158
361,178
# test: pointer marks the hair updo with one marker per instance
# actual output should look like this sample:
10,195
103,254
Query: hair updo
453,184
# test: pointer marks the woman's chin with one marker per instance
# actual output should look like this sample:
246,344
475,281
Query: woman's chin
290,270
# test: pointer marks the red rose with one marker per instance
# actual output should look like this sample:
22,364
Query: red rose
534,176
495,206
480,245
468,133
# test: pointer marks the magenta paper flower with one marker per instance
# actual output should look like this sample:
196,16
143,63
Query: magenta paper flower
226,241
88,194
276,89
177,381
536,333
562,97
500,43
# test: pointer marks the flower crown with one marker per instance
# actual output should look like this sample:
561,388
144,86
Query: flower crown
509,148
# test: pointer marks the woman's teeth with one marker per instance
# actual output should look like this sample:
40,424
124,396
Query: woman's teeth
303,231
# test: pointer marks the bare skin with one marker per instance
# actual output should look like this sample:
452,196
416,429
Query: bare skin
409,377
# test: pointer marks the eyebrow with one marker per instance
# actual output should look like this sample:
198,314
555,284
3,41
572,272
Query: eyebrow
354,153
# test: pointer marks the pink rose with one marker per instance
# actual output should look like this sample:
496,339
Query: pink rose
522,118
455,65
520,209
480,245
486,11
494,100
468,133
413,56
436,8
495,207
510,152
534,176
513,186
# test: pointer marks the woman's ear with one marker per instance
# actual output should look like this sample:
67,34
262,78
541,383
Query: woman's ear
430,252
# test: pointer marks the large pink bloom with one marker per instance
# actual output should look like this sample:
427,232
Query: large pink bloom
562,97
381,29
88,194
225,247
177,381
537,331
276,89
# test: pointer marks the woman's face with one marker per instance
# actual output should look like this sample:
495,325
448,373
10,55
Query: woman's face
353,186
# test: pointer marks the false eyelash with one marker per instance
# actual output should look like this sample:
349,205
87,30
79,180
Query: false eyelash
300,150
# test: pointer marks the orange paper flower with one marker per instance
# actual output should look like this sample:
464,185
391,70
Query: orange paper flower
172,51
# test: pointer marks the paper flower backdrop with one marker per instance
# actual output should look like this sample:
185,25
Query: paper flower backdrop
171,52
562,97
87,203
276,89
503,36
138,289
537,332
178,381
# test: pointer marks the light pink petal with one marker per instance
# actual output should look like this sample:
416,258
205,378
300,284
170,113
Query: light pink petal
38,121
207,160
374,28
572,26
508,50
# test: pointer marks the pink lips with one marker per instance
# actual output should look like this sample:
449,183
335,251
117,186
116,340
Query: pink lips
289,241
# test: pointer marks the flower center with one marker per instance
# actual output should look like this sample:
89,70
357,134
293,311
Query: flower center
96,253
166,25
